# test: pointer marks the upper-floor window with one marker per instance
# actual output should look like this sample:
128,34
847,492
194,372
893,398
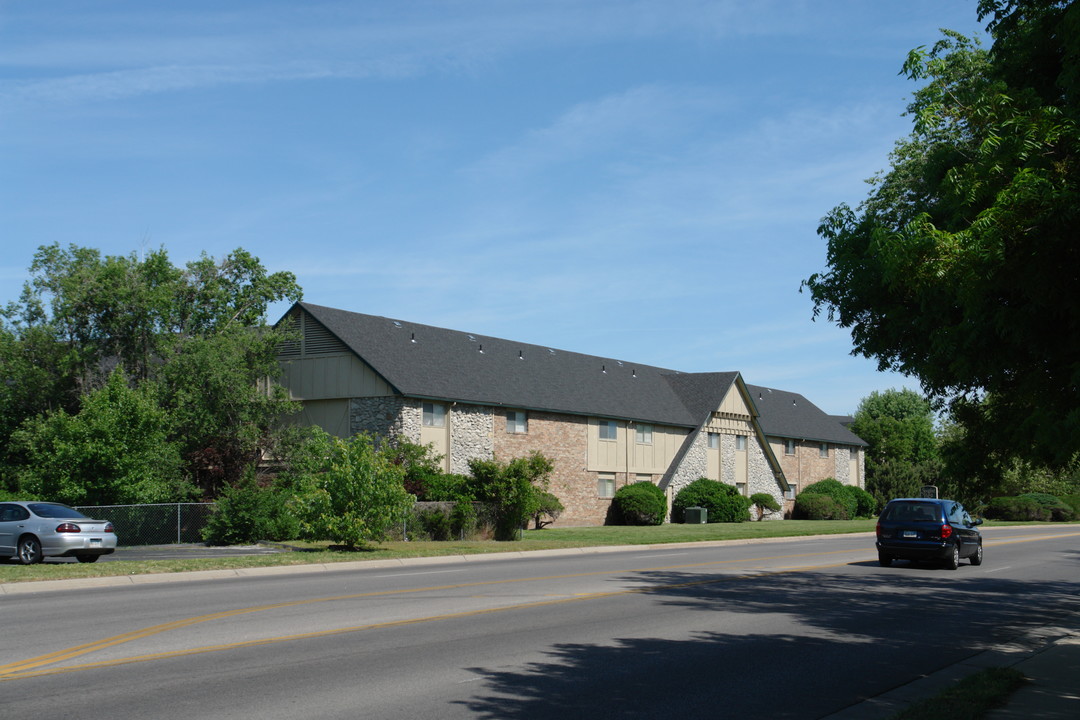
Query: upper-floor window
608,430
823,451
740,442
643,434
714,441
789,447
434,415
517,421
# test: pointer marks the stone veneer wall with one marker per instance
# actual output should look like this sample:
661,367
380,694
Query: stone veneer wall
385,416
693,465
760,479
842,471
470,436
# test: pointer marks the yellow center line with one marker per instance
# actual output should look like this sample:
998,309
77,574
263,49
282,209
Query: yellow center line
18,671
30,667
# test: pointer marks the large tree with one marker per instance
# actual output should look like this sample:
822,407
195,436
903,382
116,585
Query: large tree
197,333
962,267
902,452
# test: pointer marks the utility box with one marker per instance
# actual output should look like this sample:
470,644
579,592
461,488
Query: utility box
696,516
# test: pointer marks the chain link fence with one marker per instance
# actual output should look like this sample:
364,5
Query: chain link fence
181,523
165,524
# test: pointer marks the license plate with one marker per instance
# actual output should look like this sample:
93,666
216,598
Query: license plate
909,534
95,541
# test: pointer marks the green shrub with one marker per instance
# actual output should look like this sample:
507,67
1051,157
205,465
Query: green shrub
1073,501
547,511
865,503
1016,509
463,519
514,490
1059,511
434,522
640,503
722,501
833,488
818,507
448,487
763,502
247,513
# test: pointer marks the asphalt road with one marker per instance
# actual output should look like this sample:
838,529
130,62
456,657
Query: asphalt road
793,629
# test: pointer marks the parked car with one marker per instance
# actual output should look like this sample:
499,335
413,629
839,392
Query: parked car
32,531
928,529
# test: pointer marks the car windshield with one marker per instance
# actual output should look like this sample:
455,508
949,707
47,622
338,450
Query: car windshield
48,510
911,512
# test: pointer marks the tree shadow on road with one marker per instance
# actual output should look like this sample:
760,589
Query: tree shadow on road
860,634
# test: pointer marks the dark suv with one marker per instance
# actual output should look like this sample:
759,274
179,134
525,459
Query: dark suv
928,529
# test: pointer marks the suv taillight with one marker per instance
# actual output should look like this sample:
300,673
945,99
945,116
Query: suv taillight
946,531
68,527
878,530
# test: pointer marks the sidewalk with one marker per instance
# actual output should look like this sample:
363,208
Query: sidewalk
1048,656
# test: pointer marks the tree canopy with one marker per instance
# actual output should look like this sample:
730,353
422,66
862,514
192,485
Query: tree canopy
133,352
961,267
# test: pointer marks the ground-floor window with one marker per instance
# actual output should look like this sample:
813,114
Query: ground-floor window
605,485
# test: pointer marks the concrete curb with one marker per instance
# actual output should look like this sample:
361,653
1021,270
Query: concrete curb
39,586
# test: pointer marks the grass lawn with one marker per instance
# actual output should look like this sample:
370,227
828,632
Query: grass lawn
547,539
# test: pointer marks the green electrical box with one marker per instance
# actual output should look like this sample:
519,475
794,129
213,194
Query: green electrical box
696,516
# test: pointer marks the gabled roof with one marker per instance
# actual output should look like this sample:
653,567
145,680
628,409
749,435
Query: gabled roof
434,363
790,415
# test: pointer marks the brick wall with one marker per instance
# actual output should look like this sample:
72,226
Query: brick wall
563,439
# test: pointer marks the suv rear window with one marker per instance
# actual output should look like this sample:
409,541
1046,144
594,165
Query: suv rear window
912,511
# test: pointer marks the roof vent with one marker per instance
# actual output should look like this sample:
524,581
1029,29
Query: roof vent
481,349
603,369
413,338
472,338
550,351
521,355
397,324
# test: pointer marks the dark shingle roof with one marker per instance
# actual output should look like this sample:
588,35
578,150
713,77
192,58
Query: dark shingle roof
435,363
790,415
430,362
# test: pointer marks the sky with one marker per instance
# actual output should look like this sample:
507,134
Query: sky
638,180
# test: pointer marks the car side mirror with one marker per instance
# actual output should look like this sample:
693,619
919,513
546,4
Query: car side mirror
976,521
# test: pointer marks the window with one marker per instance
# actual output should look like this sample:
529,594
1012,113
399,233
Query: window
608,430
517,422
643,434
789,447
740,442
823,451
434,415
714,441
605,485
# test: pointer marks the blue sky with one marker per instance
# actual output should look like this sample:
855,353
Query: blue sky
637,180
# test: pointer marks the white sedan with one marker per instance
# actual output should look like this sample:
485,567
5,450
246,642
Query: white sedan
32,531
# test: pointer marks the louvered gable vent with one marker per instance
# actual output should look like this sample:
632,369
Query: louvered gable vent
320,341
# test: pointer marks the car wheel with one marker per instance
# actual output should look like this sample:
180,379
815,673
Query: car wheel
884,560
29,550
953,560
977,558
87,558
